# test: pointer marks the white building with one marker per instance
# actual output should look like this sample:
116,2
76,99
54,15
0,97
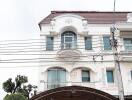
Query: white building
77,51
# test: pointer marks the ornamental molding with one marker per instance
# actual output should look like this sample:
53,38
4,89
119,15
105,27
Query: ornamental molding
68,15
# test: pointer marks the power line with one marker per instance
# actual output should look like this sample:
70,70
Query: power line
42,50
64,61
46,52
43,65
44,44
36,39
96,55
41,41
44,47
55,61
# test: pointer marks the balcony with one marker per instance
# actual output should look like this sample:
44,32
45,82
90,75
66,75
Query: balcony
55,85
68,46
128,47
126,54
68,52
62,84
86,84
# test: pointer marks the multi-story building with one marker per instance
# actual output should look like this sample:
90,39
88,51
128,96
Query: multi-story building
77,50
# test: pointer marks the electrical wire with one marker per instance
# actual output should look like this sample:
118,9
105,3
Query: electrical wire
41,50
55,57
36,39
54,61
40,41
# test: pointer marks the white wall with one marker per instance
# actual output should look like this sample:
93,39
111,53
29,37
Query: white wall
97,68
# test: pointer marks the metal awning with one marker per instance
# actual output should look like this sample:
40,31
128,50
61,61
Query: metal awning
73,93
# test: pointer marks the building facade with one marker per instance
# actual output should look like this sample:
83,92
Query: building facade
76,50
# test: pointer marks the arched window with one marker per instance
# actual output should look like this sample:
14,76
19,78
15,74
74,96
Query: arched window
68,40
56,78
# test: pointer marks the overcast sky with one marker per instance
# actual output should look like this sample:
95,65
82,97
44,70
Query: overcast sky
19,20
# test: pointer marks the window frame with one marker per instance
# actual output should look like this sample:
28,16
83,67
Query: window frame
106,48
131,74
125,47
66,44
88,78
113,78
57,71
49,46
86,41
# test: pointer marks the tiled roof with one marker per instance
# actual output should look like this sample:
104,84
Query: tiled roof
93,17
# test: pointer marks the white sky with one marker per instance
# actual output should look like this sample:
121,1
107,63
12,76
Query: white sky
19,20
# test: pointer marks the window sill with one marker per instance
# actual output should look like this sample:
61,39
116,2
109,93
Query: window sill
130,81
89,50
86,82
49,50
111,84
105,51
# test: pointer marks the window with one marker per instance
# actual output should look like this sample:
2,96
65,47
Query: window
85,76
131,74
110,77
68,40
56,78
106,41
128,43
49,43
88,43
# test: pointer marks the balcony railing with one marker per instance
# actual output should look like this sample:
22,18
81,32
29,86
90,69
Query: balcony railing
52,85
128,47
68,46
55,85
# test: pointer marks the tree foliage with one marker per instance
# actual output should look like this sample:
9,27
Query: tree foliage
9,86
14,97
18,86
12,87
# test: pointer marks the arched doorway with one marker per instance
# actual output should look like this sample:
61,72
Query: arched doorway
73,93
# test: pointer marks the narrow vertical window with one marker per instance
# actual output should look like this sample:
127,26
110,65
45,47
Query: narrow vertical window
49,43
110,76
106,41
88,43
85,76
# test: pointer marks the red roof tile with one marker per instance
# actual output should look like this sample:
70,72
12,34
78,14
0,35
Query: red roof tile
93,17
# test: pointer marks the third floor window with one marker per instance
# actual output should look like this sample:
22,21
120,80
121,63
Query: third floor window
68,40
49,43
88,43
106,42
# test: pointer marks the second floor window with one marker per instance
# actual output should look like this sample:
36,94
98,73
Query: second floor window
106,42
88,43
49,43
128,43
56,78
85,76
68,40
110,76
